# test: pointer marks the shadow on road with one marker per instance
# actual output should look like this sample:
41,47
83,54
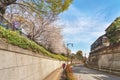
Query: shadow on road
84,70
93,74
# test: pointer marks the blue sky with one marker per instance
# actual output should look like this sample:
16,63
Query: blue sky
86,20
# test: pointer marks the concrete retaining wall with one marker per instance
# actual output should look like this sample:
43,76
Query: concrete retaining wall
20,64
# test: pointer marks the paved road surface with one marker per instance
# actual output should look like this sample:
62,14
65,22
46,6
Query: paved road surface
83,73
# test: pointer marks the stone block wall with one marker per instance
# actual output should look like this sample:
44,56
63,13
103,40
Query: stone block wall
110,61
107,57
20,64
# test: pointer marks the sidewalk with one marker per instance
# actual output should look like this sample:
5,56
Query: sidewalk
55,75
114,72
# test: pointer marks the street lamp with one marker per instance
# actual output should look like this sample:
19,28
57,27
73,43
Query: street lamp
67,50
85,59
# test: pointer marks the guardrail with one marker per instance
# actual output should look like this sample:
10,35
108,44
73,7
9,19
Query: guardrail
5,23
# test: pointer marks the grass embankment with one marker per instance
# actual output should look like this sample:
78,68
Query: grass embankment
14,38
69,73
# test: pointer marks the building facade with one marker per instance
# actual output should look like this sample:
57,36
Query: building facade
105,51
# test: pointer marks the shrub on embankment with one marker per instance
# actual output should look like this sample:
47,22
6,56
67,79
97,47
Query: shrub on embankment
14,38
69,73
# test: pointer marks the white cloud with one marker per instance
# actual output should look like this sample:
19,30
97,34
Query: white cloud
82,28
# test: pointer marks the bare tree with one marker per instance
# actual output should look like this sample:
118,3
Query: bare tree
37,21
52,39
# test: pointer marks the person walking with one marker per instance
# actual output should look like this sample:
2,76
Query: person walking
63,66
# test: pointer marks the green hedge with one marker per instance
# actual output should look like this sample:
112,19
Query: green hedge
13,37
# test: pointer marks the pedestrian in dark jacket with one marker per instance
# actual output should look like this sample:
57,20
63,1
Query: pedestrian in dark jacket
63,66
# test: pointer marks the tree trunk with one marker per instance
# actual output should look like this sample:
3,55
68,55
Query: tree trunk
4,4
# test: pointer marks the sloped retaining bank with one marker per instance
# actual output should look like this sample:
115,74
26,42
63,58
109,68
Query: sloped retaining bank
20,64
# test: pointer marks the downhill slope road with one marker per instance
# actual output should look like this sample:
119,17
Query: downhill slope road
83,73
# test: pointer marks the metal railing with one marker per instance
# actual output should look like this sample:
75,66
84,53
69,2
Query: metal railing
5,23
